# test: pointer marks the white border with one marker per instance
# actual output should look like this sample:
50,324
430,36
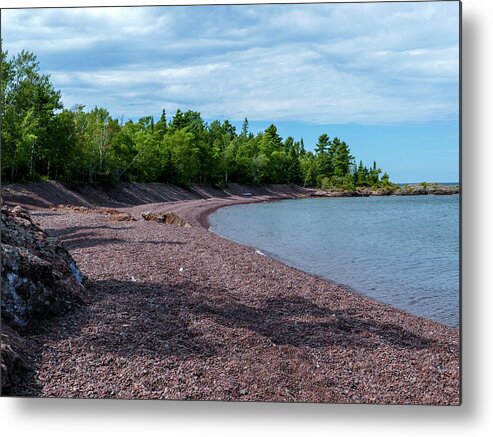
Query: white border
86,418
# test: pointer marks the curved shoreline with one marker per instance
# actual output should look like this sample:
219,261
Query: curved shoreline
182,313
203,217
200,215
206,224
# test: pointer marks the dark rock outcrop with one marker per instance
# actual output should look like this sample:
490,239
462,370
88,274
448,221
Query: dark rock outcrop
13,352
39,277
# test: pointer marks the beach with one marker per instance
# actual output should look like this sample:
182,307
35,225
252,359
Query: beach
178,312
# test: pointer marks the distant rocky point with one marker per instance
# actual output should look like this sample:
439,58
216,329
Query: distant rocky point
396,190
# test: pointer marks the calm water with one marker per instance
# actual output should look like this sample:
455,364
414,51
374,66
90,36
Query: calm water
400,250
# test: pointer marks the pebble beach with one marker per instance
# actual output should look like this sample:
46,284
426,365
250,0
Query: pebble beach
178,312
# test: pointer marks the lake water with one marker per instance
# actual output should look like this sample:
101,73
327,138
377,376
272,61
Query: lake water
403,251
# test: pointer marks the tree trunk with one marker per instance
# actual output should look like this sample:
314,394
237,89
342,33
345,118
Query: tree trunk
101,152
32,162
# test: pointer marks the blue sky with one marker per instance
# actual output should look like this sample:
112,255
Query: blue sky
382,76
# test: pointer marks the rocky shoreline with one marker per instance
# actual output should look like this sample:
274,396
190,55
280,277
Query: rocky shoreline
177,312
422,189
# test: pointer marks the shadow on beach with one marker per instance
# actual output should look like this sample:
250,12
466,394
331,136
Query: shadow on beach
176,323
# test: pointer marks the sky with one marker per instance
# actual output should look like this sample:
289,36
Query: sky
384,77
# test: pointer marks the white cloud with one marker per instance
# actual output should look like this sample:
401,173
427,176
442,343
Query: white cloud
370,63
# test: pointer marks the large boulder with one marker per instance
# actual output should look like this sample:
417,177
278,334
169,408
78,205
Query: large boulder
169,218
39,276
39,279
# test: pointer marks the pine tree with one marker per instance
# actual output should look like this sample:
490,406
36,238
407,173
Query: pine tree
362,174
244,128
323,144
341,158
162,125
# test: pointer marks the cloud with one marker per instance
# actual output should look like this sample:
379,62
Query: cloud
327,63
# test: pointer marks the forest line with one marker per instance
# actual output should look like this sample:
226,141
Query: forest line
43,140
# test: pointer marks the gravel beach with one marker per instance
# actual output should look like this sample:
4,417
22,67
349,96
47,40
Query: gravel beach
180,313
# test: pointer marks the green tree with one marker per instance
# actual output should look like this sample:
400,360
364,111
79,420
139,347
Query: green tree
292,148
309,170
341,157
385,180
373,175
322,144
40,139
271,141
60,157
124,154
162,125
28,107
244,128
361,175
184,154
259,169
100,129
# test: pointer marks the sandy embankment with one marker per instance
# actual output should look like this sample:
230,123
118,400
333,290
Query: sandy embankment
180,313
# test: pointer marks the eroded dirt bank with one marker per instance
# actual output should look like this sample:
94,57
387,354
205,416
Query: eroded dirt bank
50,193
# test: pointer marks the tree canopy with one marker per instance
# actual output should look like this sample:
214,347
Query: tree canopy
42,139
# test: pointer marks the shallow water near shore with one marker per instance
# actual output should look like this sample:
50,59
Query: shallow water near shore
403,251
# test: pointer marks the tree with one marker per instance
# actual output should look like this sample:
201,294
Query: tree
61,157
322,144
271,141
124,154
309,170
41,139
244,128
28,107
324,160
374,174
162,125
341,157
259,169
361,175
385,180
294,167
184,154
271,148
99,127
